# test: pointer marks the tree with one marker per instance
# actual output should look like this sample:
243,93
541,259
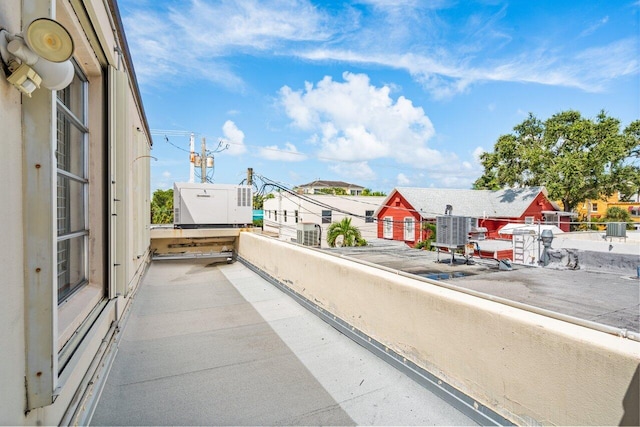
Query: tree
350,234
258,200
162,207
368,192
575,158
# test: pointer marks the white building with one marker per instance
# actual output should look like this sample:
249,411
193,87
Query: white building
285,211
75,209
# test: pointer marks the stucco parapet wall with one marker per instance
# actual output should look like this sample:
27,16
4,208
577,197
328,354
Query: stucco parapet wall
528,368
180,233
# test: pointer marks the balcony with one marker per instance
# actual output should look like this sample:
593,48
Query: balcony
245,344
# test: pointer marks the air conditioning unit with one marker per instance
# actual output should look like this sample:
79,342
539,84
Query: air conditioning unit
199,205
453,231
616,229
308,234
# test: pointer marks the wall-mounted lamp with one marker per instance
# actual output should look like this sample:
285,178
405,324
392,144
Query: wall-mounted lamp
38,56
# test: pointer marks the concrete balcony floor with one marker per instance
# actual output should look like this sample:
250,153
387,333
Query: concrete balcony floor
218,345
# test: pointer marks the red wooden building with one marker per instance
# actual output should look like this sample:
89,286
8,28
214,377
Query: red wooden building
402,213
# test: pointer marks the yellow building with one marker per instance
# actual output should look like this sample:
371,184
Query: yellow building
595,209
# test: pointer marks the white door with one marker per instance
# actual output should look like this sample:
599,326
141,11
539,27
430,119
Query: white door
409,229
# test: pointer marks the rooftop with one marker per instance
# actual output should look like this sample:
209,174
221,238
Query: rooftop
215,344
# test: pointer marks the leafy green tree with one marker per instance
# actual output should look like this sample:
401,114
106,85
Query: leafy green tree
337,191
162,207
368,192
617,214
575,158
350,234
258,200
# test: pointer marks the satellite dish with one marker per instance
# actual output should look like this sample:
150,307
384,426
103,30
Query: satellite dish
49,40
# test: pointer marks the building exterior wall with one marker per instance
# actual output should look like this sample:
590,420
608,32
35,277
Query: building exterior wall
531,369
280,213
50,349
398,210
595,209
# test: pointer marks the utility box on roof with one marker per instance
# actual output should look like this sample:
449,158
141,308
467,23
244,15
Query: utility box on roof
211,205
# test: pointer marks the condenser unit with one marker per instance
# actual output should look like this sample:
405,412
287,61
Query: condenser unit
616,229
199,205
308,234
453,231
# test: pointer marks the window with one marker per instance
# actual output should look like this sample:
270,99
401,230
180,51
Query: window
72,187
409,229
387,227
296,215
594,207
368,216
529,219
275,215
635,211
326,217
284,216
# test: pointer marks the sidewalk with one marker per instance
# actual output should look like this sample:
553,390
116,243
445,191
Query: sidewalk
218,345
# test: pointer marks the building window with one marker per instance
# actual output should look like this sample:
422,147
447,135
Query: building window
275,215
72,187
368,216
594,207
284,216
326,217
635,211
387,227
409,229
296,215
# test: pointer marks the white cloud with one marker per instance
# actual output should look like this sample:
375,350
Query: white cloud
234,137
192,38
402,180
356,121
477,153
288,154
357,171
166,174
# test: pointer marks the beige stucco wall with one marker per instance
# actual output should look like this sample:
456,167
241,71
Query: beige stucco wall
528,368
11,252
13,255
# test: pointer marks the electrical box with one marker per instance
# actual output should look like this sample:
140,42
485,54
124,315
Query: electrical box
197,205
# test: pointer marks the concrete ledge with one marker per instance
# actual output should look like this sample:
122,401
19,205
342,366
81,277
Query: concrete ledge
528,368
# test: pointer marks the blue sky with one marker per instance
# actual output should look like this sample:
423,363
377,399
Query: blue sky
380,93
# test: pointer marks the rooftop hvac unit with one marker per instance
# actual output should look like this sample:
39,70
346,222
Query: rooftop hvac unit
197,205
309,234
616,229
453,231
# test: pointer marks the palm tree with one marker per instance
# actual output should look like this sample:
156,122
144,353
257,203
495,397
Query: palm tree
350,234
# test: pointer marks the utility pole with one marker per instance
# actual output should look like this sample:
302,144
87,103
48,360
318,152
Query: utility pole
192,158
203,162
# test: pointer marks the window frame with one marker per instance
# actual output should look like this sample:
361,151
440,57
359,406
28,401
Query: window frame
368,216
326,217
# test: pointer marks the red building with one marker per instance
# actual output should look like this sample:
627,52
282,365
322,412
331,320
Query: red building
402,213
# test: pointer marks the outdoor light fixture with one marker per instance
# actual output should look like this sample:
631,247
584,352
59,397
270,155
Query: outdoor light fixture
38,56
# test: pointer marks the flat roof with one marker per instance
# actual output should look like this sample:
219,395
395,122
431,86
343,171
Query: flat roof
215,344
608,298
